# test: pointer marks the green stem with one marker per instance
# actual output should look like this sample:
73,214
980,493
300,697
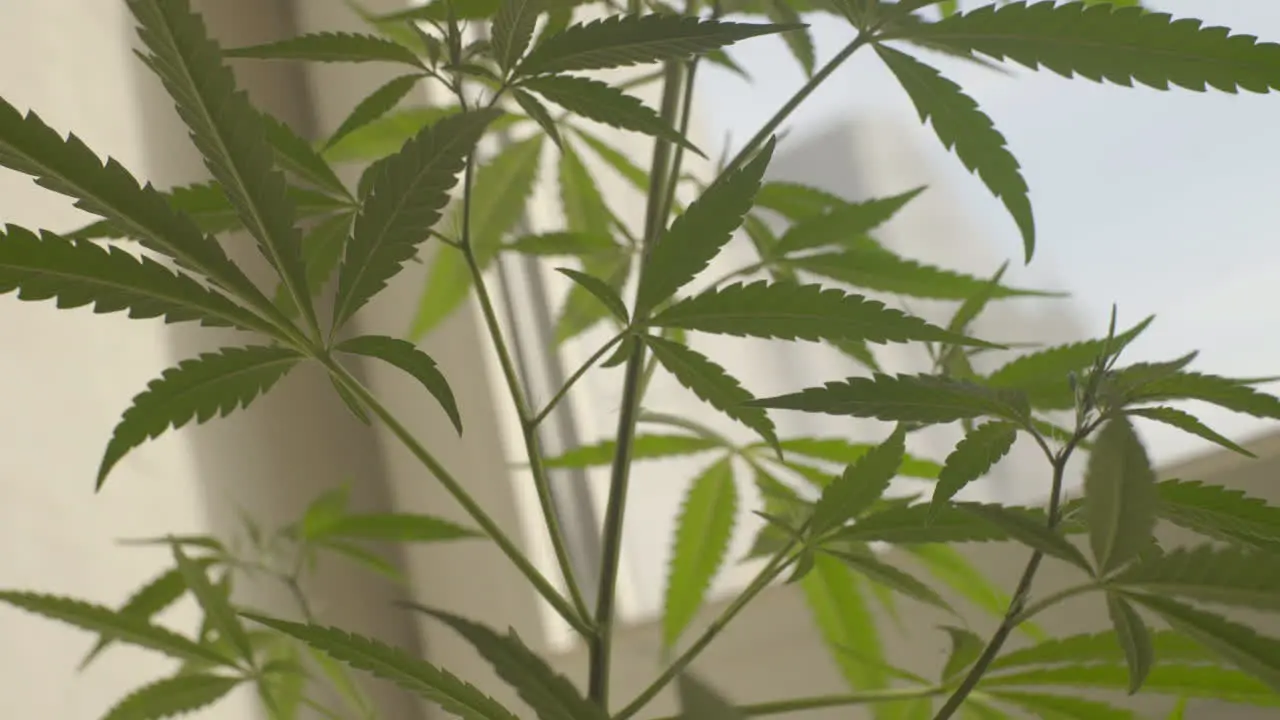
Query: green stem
451,485
611,554
577,375
529,432
767,575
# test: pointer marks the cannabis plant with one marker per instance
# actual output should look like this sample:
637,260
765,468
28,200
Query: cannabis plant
157,254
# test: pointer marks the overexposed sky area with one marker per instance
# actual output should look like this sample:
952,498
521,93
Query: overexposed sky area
1162,202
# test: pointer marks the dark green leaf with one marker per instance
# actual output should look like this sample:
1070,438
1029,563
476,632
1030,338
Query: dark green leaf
440,11
889,576
391,527
643,447
842,222
721,58
149,600
798,39
1256,654
699,701
549,693
1022,527
884,271
961,125
211,385
172,696
215,604
602,103
1220,513
330,47
795,201
965,649
322,249
625,40
438,685
410,359
298,157
512,30
905,398
600,290
1187,422
581,310
976,302
698,235
1135,640
1227,393
973,457
229,132
119,626
539,113
564,243
377,104
922,523
702,535
111,279
843,452
369,560
791,311
1120,496
713,384
406,199
1199,681
862,483
1060,707
1205,573
1123,46
1102,647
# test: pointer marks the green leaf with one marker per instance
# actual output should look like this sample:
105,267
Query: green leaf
1253,653
861,484
698,235
330,47
512,30
581,310
298,157
791,311
390,527
406,199
721,58
369,560
797,202
1229,576
213,384
841,222
973,457
961,125
951,568
840,611
699,701
891,577
441,11
540,115
1123,46
146,602
600,290
111,279
322,249
1120,496
798,40
602,103
69,167
617,160
965,649
435,684
375,105
177,695
388,134
843,452
564,243
712,384
976,302
499,193
1060,707
703,530
119,626
1027,531
215,605
1227,393
584,207
626,40
410,359
883,271
549,693
1101,647
1135,640
229,132
643,447
1221,513
905,398
1202,681
922,523
1187,422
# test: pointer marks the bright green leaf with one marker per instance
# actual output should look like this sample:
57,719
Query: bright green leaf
215,605
1199,681
1064,707
173,696
643,447
410,359
375,105
1101,647
843,452
390,527
890,576
965,649
703,530
840,611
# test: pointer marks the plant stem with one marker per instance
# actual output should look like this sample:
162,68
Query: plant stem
818,702
487,524
601,645
767,574
577,375
1040,606
541,482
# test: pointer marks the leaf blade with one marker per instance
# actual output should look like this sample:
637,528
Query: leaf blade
407,357
1120,496
702,537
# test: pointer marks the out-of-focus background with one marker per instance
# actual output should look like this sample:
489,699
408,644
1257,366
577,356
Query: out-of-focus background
1162,203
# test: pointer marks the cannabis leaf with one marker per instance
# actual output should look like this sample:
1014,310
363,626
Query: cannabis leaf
1228,576
961,125
905,398
298,157
842,222
796,201
147,601
607,296
377,104
512,30
603,103
861,484
1101,647
1221,513
387,527
1135,640
844,619
1120,496
1229,393
884,271
1187,422
702,537
865,563
643,447
1029,531
172,696
410,359
1256,654
625,40
213,384
700,233
1122,45
973,457
699,701
330,47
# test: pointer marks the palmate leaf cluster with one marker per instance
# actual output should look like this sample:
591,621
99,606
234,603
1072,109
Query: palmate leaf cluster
831,525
